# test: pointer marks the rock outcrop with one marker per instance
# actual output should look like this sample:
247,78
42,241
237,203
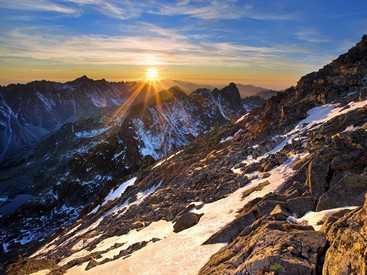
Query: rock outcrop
347,253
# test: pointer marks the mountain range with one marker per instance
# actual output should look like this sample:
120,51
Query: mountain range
192,184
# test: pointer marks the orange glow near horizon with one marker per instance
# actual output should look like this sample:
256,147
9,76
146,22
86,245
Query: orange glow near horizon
266,78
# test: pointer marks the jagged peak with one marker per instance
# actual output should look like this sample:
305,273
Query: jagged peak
80,80
231,89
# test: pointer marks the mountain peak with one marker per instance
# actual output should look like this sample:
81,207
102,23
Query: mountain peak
82,79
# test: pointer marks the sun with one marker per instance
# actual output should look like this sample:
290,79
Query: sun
152,73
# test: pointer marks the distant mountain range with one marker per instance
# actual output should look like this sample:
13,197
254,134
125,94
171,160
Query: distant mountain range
245,90
31,111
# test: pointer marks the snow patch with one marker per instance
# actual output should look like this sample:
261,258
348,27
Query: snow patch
241,118
114,194
230,137
315,218
92,133
351,128
166,159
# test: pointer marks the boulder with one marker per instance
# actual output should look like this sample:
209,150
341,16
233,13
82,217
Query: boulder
187,220
349,190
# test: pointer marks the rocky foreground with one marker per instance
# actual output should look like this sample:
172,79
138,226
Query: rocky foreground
281,190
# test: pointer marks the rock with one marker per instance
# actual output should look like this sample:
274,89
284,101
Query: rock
243,181
348,244
345,161
301,205
187,220
280,213
348,191
267,205
316,177
266,175
154,240
92,263
258,187
270,248
232,230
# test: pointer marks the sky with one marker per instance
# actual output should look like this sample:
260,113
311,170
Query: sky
266,43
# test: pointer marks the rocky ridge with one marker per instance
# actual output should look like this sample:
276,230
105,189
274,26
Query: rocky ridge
279,191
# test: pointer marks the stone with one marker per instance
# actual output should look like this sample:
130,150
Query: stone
301,205
258,187
349,190
345,161
268,205
92,263
280,213
187,220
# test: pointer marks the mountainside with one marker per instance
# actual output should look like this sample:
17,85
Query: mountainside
66,171
280,190
30,112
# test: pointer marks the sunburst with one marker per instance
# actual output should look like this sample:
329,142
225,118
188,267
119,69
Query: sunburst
152,74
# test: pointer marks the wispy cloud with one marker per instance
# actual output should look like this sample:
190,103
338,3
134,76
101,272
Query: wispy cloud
37,5
219,9
215,9
127,9
124,9
311,35
167,48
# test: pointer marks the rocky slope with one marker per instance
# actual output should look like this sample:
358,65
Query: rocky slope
281,190
66,171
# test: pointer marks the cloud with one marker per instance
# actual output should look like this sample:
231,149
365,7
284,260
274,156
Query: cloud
219,9
127,9
310,35
37,5
166,48
124,9
215,9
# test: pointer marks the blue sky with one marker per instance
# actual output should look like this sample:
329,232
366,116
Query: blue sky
266,43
